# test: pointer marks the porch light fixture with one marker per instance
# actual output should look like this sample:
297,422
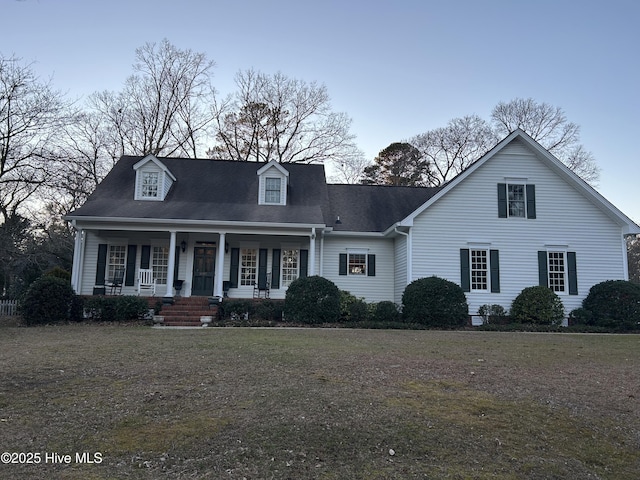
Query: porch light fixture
338,221
226,247
183,246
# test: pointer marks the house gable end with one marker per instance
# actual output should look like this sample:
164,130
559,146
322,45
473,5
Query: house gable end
273,184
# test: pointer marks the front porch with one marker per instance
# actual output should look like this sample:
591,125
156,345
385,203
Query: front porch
194,264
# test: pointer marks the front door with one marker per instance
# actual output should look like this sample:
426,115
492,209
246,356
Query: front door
204,263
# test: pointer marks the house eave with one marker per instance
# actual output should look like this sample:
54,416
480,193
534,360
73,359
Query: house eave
168,224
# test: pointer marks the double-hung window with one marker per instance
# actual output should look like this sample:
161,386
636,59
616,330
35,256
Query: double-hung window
290,266
272,190
248,266
357,264
557,270
479,270
116,259
516,200
160,264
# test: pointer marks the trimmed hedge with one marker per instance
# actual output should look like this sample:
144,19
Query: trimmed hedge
538,305
312,300
386,311
613,304
50,299
435,302
116,309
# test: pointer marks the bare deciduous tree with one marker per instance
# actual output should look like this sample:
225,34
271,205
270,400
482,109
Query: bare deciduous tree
549,126
454,148
31,112
273,117
162,108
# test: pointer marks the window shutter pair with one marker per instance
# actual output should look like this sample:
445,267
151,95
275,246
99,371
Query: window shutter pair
371,264
465,270
572,271
503,203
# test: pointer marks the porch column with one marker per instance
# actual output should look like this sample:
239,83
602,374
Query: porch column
217,288
312,252
76,269
172,265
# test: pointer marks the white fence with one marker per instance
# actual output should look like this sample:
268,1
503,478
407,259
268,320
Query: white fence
8,308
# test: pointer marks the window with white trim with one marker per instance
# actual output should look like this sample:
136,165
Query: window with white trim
160,264
248,266
556,267
290,266
116,259
150,184
357,264
272,190
516,200
479,269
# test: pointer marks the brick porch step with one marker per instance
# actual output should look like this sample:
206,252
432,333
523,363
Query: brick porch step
186,312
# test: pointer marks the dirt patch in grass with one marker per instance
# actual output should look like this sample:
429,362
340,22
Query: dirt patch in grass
319,403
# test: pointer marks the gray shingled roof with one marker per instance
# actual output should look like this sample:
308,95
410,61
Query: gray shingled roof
222,190
374,208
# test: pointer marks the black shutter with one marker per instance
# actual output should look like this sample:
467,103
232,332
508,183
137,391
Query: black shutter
275,268
531,201
494,259
176,265
543,277
262,268
371,265
465,280
573,273
235,266
130,275
304,263
145,255
101,267
342,264
502,200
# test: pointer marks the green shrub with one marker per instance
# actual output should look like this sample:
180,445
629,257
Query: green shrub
580,316
116,309
492,313
352,308
435,302
614,304
59,272
538,305
50,300
270,310
237,309
386,311
312,300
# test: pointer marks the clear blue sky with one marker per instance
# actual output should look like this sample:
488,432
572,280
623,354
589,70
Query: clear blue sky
397,68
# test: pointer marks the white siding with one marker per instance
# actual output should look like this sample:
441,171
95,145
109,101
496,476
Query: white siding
469,213
400,268
372,289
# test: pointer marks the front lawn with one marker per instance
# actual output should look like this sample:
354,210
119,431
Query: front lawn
318,403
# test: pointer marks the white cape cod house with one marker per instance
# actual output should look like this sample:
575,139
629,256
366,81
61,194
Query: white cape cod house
516,218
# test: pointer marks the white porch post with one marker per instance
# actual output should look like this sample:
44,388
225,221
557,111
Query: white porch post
76,269
217,289
312,252
172,264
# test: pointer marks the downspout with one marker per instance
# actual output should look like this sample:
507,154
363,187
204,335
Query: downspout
625,257
321,253
409,255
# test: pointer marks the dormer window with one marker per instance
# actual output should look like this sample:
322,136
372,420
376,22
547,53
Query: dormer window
273,178
153,179
272,190
150,182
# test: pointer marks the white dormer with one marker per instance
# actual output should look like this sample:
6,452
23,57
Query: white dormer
272,187
153,179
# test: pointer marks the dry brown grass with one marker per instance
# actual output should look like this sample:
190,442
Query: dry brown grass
319,403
